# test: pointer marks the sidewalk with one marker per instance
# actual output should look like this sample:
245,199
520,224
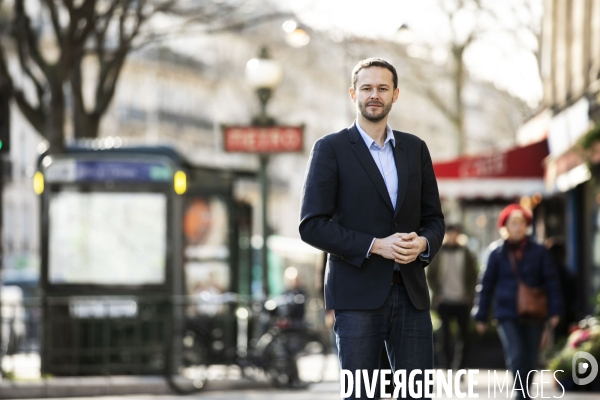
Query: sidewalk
229,379
111,386
120,386
29,383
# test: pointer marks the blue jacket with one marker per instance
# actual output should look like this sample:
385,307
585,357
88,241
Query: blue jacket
499,283
346,204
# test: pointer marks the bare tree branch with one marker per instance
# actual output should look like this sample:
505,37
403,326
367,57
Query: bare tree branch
27,38
54,18
154,37
24,63
33,114
107,30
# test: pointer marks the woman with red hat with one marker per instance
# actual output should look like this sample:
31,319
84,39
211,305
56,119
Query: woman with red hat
518,260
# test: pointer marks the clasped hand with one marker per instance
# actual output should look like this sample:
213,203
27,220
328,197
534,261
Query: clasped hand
403,248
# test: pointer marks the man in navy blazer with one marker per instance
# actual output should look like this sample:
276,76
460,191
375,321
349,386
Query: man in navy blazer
371,201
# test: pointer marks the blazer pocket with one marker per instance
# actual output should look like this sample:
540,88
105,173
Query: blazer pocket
335,258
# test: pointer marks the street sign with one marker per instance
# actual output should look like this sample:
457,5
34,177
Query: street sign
272,139
70,170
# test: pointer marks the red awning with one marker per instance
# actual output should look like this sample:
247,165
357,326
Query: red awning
515,172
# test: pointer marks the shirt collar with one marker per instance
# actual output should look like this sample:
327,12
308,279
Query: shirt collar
369,140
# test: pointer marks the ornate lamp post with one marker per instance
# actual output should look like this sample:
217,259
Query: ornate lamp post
264,75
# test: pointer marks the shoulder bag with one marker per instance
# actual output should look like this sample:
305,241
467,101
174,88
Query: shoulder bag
532,303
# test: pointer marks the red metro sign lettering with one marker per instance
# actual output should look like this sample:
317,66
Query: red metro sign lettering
272,139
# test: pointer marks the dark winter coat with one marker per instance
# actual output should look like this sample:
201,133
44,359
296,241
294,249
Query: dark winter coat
499,283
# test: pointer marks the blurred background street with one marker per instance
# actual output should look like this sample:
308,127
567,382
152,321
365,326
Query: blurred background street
152,158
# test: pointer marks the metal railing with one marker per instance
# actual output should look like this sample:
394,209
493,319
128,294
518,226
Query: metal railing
172,336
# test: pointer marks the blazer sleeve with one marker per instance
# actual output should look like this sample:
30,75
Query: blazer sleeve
432,218
319,200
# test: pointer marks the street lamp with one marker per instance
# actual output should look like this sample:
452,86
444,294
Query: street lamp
405,35
264,75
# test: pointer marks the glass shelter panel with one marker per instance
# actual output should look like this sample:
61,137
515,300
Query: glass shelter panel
107,238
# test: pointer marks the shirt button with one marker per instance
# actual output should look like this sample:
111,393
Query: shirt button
395,224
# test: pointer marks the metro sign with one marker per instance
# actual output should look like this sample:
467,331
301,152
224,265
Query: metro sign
271,139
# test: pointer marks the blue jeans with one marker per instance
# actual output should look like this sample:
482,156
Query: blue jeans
405,331
521,343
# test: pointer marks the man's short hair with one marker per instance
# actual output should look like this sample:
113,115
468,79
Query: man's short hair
374,62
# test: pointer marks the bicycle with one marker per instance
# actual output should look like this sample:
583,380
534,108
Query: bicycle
287,351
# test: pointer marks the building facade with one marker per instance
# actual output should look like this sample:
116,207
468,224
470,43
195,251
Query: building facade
570,69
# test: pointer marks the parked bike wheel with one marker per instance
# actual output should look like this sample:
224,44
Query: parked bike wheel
294,358
194,364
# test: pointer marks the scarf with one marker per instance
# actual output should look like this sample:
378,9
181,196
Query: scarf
517,248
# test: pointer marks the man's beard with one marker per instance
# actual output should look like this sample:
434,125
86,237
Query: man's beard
385,110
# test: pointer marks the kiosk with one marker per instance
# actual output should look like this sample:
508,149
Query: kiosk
126,234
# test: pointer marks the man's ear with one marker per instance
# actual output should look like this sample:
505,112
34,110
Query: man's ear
396,93
353,94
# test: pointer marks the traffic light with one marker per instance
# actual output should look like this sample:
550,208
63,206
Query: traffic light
4,120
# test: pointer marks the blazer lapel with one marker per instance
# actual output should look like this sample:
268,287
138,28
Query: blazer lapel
365,158
402,170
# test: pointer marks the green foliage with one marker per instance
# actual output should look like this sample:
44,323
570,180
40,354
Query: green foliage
591,137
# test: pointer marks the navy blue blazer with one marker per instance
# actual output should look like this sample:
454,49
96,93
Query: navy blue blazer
345,204
499,284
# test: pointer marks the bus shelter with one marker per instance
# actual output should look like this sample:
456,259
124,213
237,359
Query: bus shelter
126,232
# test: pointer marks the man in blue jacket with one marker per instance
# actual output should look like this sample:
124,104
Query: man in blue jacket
371,201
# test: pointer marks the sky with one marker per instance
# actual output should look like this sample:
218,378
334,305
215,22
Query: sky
505,59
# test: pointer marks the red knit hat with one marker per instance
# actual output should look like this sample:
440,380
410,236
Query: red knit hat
504,214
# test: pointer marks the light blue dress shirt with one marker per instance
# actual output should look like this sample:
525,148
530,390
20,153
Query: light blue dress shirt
384,159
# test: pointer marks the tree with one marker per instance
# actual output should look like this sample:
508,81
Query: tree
485,18
56,41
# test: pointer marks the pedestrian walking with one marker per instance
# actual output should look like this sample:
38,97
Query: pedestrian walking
452,277
521,282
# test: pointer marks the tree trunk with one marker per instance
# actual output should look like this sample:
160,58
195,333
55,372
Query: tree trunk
54,127
85,125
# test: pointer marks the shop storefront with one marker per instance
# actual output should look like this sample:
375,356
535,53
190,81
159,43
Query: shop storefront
475,189
573,173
